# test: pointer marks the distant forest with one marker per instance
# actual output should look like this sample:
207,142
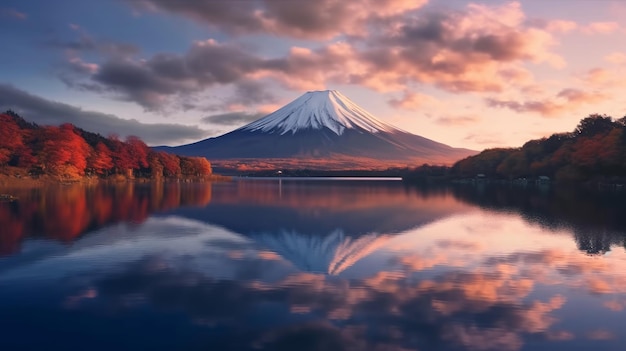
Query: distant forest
594,151
68,152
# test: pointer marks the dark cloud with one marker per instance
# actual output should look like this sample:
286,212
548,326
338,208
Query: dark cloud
154,82
295,18
86,43
232,118
46,112
253,92
399,49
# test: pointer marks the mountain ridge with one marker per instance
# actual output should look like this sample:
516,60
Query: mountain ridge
322,126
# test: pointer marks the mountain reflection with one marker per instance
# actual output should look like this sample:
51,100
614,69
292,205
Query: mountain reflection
323,227
325,265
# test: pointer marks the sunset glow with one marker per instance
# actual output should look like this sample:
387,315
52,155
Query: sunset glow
468,74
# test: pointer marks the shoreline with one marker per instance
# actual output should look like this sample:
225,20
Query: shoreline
8,181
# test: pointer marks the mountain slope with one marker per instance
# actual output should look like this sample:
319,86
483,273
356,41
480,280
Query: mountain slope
330,254
323,125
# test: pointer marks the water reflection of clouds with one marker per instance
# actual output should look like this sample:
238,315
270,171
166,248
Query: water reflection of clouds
447,312
446,280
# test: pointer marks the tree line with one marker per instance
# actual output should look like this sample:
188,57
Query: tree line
69,152
594,151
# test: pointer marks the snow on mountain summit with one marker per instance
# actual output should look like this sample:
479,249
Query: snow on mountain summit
317,110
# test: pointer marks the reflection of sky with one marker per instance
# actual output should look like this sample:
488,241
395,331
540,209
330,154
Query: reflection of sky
475,280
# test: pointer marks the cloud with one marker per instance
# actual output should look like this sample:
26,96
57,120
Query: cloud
12,13
457,120
320,19
566,100
600,28
86,43
154,82
411,101
561,26
618,58
232,118
600,334
485,138
47,112
477,49
453,310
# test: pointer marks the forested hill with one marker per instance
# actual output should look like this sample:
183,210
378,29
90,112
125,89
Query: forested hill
68,152
596,149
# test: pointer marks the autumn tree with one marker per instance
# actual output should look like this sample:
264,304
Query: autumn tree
138,151
120,153
171,164
10,138
156,167
65,152
100,160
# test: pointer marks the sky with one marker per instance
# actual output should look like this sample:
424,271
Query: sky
469,74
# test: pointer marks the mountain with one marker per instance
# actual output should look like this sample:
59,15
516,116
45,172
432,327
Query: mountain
329,254
320,127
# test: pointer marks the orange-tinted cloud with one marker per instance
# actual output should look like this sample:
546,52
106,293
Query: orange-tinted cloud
411,101
457,120
478,49
566,100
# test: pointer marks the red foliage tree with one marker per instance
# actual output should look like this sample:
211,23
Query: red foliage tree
100,160
65,152
122,159
138,151
10,138
171,164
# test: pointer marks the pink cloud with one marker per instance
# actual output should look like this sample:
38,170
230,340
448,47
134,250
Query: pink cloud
618,58
567,100
411,101
601,28
600,334
457,120
480,48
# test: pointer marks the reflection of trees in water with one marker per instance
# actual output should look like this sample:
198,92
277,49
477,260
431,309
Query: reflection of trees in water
596,218
65,213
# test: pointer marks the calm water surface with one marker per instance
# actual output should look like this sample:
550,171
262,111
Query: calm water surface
312,265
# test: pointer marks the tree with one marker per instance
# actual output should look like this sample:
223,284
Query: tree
100,160
156,167
594,124
171,164
138,151
10,138
65,152
122,159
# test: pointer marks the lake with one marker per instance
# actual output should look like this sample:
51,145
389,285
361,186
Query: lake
288,264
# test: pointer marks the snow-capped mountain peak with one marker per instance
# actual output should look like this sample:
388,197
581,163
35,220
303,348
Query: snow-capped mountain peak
317,110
